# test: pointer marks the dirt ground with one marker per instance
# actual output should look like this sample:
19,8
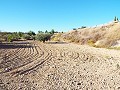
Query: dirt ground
30,65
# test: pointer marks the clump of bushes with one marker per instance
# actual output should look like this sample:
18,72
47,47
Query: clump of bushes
27,37
43,36
13,37
82,27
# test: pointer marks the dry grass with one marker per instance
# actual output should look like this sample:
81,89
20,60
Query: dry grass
56,37
99,36
116,48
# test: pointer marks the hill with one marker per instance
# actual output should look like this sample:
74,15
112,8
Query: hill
105,35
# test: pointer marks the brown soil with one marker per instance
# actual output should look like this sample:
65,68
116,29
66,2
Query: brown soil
30,65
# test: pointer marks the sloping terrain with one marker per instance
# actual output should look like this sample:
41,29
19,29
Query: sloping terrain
31,65
105,35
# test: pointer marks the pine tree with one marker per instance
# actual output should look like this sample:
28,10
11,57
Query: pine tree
46,31
115,19
52,31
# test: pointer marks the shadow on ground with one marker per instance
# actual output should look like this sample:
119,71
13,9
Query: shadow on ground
15,45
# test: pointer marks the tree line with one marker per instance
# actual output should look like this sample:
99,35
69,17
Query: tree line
31,35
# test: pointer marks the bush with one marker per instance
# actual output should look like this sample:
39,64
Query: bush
83,27
15,36
26,36
20,34
43,36
9,38
31,33
12,37
74,29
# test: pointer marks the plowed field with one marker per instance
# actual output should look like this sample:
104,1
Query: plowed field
31,65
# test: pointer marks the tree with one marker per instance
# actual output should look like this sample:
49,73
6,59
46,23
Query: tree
29,36
52,31
74,29
83,27
12,37
31,33
115,19
26,36
40,32
46,31
9,38
15,36
43,36
20,34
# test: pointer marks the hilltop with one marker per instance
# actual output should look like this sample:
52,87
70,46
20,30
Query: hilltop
105,35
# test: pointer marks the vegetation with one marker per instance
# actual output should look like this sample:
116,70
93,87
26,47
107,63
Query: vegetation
91,42
116,48
8,36
31,33
43,36
20,34
27,37
74,29
40,32
52,31
15,36
82,27
56,37
102,36
116,19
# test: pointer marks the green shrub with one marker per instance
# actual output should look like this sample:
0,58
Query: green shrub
83,27
9,38
12,37
31,33
26,36
20,34
43,36
15,36
74,29
52,31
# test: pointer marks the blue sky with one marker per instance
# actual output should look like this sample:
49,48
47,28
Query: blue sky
61,15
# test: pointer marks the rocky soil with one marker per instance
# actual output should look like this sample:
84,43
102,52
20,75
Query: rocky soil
31,65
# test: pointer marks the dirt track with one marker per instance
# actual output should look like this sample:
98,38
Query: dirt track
58,66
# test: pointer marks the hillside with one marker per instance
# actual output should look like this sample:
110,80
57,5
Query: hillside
105,35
